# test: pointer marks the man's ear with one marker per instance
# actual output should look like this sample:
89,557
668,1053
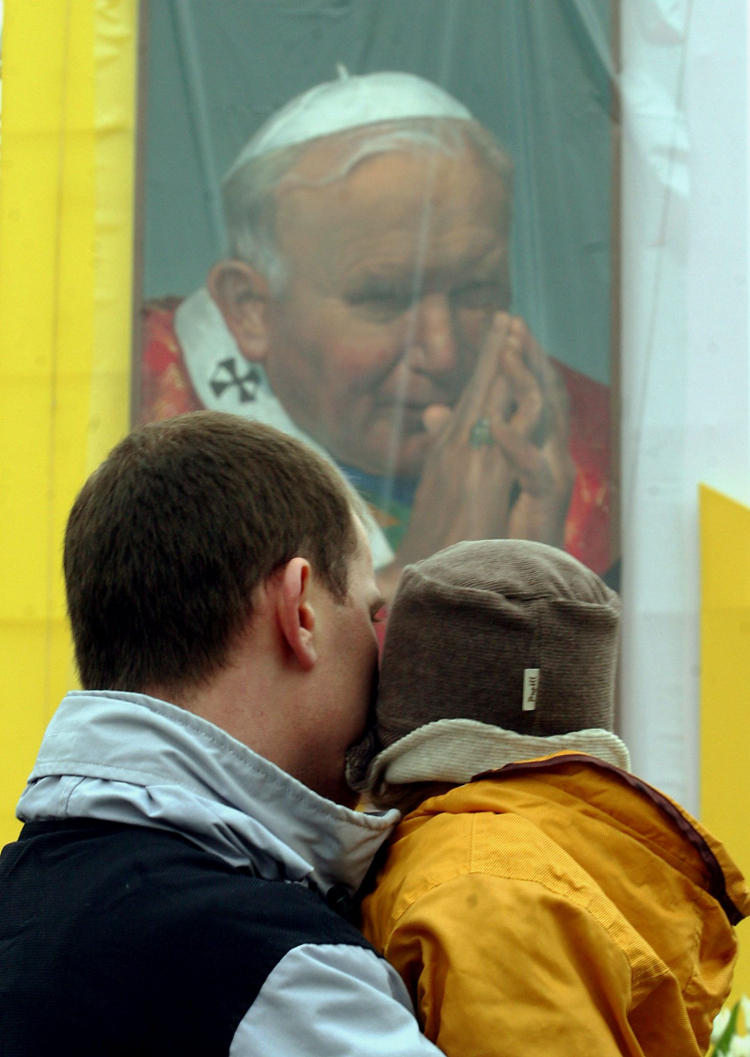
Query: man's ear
296,615
241,293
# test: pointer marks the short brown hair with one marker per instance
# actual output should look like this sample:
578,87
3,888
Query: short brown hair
170,536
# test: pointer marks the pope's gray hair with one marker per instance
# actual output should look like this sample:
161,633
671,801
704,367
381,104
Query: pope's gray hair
250,192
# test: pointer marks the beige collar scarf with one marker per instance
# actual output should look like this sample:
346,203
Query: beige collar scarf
454,750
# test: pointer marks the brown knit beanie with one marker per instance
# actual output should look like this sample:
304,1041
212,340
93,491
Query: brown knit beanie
507,632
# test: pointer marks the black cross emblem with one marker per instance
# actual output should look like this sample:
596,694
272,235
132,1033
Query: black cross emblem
225,376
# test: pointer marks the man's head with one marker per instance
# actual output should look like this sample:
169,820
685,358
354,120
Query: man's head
369,260
170,537
208,551
510,633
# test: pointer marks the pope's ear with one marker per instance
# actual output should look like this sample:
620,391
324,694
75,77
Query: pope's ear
241,293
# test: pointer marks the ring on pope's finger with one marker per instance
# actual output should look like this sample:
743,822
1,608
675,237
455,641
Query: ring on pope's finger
481,434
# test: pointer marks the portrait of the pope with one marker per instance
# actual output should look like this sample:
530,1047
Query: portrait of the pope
364,305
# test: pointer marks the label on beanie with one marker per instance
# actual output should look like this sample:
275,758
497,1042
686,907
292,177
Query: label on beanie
530,688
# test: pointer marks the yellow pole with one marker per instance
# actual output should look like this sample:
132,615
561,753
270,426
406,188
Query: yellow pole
725,686
66,220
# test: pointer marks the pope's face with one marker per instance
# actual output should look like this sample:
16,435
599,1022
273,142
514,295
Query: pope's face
396,271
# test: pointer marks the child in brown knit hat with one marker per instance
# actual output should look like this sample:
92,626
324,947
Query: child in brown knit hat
536,896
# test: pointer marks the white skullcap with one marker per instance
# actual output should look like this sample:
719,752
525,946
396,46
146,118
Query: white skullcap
348,103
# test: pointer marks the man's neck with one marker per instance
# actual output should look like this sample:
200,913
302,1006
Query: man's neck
248,697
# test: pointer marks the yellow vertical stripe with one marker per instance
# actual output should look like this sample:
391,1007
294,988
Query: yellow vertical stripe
66,179
725,685
115,54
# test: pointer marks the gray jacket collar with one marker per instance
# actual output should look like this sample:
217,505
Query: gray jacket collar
131,758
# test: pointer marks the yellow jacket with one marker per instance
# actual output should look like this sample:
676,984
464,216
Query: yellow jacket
559,907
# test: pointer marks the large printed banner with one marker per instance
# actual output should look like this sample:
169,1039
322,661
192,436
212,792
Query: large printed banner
386,228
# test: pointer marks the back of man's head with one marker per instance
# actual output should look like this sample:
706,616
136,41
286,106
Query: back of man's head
170,537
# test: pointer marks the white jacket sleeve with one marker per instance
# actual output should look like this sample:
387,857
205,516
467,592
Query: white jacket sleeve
331,1000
